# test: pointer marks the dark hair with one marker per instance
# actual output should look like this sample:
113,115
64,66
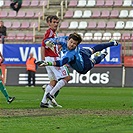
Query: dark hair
48,18
53,17
75,36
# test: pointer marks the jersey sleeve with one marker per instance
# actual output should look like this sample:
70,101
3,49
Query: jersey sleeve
68,57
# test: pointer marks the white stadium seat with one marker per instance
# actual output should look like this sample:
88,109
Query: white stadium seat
130,14
119,25
77,14
117,35
129,25
123,14
88,36
87,14
81,3
106,36
127,3
97,36
91,3
82,25
73,25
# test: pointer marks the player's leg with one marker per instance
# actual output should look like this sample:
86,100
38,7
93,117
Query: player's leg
102,46
4,92
29,78
98,59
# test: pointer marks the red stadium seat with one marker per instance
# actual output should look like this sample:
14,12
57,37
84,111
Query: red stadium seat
28,36
26,3
34,3
3,14
12,14
105,13
68,14
109,3
8,24
114,14
100,3
91,25
29,14
101,25
126,36
25,25
21,14
64,25
110,25
73,3
16,25
118,3
96,14
20,36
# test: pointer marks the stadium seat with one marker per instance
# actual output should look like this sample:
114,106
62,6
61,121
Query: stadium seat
118,3
73,3
127,3
28,36
1,3
8,24
126,36
129,25
81,34
29,14
68,14
88,36
100,3
87,14
110,25
25,25
34,3
33,24
105,13
37,14
61,34
97,36
16,24
106,36
96,14
123,14
101,25
117,35
64,25
73,25
130,14
12,14
109,3
81,3
21,14
91,3
6,3
82,25
114,14
91,25
26,3
77,14
11,36
20,36
119,25
42,3
3,14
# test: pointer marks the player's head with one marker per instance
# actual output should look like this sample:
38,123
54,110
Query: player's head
48,19
53,22
74,40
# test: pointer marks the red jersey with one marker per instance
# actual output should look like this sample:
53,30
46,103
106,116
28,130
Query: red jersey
48,51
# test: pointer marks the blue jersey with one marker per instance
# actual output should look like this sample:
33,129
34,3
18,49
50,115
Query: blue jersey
78,59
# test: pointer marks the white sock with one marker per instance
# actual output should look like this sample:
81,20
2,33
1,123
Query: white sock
58,86
47,89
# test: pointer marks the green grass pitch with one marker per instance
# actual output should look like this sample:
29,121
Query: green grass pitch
85,110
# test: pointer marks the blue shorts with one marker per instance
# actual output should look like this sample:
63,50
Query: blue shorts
88,64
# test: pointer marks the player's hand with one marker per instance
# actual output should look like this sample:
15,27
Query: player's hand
45,63
49,43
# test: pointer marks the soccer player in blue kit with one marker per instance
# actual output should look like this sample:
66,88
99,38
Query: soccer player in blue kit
77,58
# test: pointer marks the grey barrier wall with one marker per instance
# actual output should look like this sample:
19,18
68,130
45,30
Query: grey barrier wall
97,77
